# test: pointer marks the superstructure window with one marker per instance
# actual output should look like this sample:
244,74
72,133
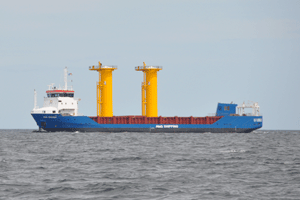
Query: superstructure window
61,95
68,95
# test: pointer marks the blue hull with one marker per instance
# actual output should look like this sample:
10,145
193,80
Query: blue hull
227,124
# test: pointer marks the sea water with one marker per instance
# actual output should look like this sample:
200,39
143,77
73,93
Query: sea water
63,165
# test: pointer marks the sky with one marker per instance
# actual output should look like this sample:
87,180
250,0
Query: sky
211,51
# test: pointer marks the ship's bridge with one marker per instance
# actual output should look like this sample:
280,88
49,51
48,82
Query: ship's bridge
58,100
60,93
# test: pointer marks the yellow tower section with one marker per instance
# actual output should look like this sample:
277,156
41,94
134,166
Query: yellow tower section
104,90
149,90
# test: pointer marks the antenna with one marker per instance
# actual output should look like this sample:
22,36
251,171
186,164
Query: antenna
66,78
50,86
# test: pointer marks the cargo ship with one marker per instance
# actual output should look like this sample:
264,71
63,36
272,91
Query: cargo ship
60,111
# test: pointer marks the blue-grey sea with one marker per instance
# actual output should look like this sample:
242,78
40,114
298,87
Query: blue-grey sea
259,165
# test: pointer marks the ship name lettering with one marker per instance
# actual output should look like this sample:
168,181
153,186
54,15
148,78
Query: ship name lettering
166,126
50,117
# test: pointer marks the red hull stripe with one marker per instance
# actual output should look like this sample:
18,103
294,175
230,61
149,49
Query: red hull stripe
59,91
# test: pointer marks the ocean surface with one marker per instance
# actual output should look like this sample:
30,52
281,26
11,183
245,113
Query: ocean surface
62,165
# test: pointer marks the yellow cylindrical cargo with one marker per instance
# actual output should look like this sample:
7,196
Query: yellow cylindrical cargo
149,87
144,86
104,90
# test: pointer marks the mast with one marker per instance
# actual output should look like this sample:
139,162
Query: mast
35,100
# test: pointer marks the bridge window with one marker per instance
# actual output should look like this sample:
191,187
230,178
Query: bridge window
61,95
68,95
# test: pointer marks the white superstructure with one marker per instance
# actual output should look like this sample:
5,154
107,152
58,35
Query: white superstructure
58,100
250,104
